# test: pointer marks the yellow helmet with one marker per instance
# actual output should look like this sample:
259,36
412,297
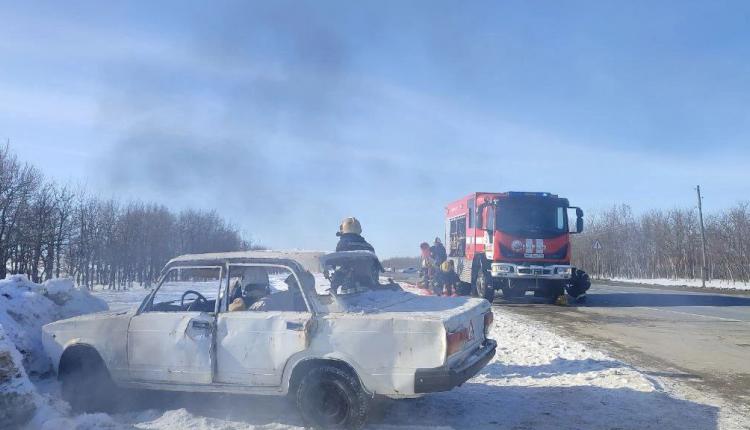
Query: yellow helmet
350,225
447,266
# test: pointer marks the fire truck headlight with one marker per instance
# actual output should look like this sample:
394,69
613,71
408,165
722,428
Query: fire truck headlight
566,271
502,268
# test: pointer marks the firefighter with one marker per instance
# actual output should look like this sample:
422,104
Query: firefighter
350,236
427,266
350,239
447,279
438,252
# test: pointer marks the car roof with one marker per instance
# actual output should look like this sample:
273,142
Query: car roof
306,260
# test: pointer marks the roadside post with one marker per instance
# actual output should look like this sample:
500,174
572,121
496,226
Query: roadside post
704,268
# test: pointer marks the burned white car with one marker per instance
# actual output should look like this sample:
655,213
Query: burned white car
261,323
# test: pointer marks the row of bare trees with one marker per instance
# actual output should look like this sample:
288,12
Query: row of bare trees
48,230
665,244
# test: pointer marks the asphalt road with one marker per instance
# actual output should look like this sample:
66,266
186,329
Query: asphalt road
697,338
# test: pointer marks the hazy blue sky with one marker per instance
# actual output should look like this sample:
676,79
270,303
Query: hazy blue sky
288,116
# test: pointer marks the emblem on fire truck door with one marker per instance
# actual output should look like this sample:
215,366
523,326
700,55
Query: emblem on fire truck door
534,248
516,246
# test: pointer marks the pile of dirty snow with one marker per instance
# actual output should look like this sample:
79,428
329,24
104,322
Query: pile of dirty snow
18,398
26,306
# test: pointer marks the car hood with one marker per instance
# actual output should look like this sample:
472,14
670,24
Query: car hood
90,317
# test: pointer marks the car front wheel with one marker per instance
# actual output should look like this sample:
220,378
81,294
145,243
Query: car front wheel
87,386
330,397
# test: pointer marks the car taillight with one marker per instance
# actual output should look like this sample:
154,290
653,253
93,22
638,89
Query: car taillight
455,341
488,319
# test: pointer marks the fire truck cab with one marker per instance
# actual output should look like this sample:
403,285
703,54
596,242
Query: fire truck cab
515,242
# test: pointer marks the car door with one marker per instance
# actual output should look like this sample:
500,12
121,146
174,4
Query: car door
253,346
169,342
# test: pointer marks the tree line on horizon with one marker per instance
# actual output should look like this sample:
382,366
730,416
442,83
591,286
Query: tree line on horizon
665,244
50,230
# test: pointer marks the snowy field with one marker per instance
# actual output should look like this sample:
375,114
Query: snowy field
538,380
696,283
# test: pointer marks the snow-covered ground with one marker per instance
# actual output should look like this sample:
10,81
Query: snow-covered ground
713,283
538,380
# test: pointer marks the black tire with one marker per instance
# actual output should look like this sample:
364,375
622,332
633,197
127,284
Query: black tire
87,386
464,289
331,398
484,286
553,291
556,293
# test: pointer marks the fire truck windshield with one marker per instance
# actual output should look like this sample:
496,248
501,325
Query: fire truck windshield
529,218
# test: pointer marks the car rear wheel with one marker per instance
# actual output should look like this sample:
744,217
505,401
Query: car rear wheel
332,398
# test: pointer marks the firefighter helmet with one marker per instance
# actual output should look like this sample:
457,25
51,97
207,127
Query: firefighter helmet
350,225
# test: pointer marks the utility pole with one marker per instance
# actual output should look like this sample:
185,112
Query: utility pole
703,236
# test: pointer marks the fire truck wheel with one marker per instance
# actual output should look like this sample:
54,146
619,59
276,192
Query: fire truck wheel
550,292
484,286
510,292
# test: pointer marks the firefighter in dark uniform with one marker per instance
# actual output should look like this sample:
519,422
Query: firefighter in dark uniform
438,252
350,239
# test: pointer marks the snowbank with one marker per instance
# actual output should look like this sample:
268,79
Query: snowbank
26,306
18,399
714,283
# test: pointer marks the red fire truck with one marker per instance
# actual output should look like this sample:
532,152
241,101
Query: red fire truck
515,242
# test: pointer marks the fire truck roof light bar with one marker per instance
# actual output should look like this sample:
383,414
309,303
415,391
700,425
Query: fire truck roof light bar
525,193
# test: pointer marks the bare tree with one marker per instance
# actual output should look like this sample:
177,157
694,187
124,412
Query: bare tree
666,244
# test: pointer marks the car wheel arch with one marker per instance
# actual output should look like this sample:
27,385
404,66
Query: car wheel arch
304,366
75,353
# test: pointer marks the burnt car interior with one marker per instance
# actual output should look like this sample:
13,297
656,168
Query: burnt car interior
186,290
